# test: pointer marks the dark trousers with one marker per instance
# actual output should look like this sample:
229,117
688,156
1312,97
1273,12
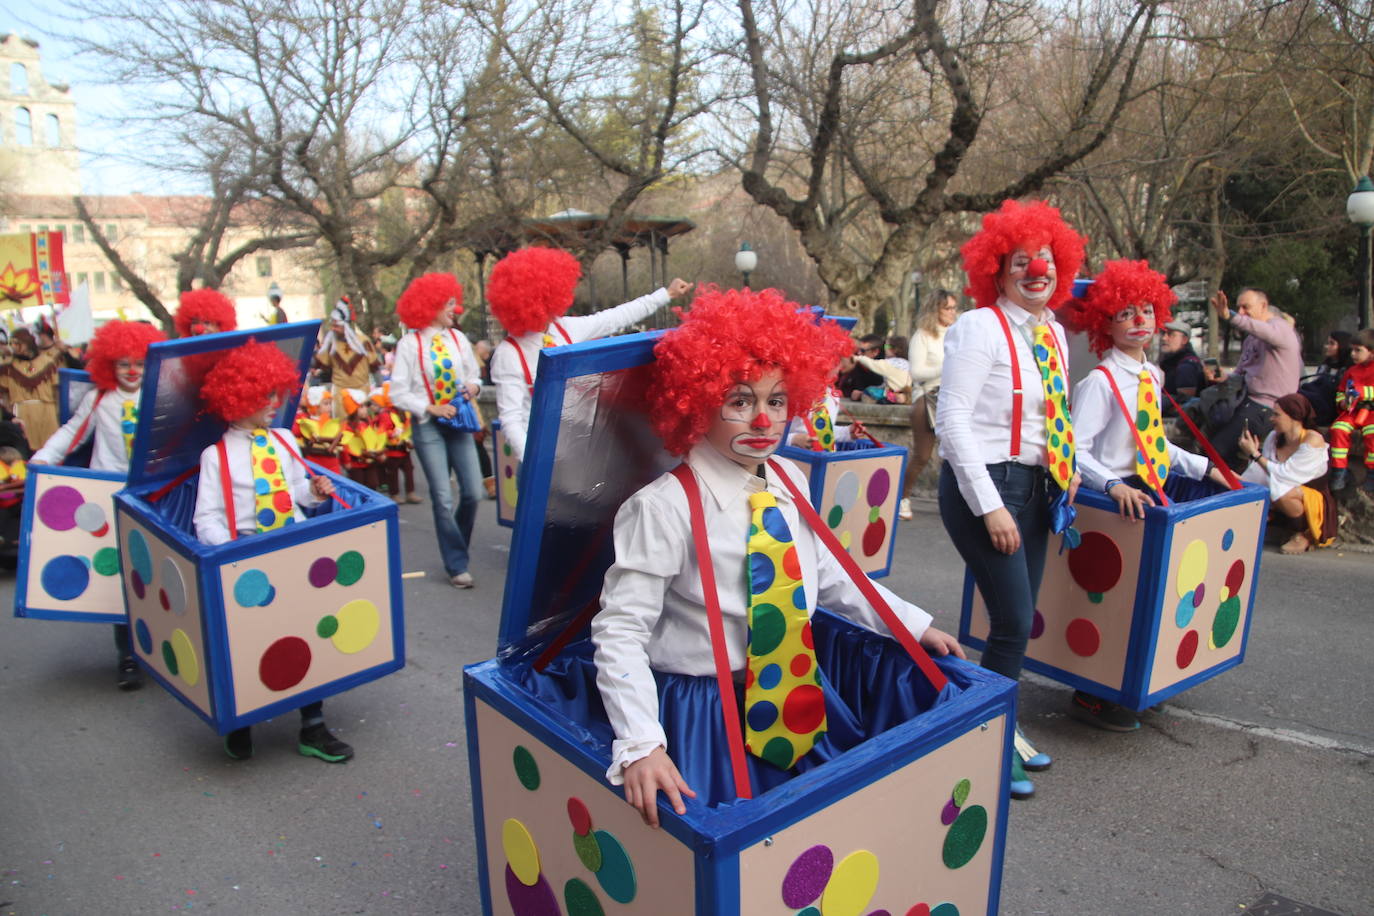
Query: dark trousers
1009,583
1227,438
396,467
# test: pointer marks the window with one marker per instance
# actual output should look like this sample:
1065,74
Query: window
23,127
79,232
25,227
99,282
19,79
52,128
116,283
42,227
111,232
264,266
82,279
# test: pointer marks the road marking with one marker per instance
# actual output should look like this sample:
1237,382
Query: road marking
1289,735
418,574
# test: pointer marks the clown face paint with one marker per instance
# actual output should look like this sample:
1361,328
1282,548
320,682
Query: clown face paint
262,417
1028,279
201,326
1132,328
750,424
128,374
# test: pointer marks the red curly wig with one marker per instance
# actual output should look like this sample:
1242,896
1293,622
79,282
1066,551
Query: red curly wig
1120,284
731,336
1028,227
115,341
425,297
531,287
245,378
207,305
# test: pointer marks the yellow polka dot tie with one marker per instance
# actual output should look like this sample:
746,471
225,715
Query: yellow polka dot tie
784,708
128,424
271,498
444,385
1059,445
1150,425
822,427
548,340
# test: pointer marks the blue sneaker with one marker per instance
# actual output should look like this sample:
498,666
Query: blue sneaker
1031,759
1020,785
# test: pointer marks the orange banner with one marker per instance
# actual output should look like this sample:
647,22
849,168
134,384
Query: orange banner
32,271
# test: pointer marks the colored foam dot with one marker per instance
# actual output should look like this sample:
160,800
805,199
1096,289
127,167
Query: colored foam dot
1187,649
1096,563
766,629
144,637
847,490
351,566
1037,625
187,662
920,909
327,627
173,586
1228,539
617,872
1193,567
526,770
1083,637
874,513
162,599
835,516
945,909
107,561
169,657
251,587
90,517
588,851
961,791
1183,614
1095,597
810,911
879,485
965,837
949,812
846,538
579,815
136,583
581,899
322,572
65,577
852,886
359,621
57,507
1235,578
807,876
874,535
521,852
1224,624
271,593
139,556
285,663
537,899
1198,593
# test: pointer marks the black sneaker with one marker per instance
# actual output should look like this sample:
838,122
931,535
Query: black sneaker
238,744
1101,713
130,675
1340,479
316,741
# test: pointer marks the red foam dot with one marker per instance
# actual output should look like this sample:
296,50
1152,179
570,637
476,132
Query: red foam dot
285,663
801,663
920,909
579,815
1083,637
1187,648
162,599
1096,564
1235,577
791,566
874,535
804,709
101,531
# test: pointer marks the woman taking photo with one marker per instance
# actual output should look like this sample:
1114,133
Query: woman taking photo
1293,463
927,357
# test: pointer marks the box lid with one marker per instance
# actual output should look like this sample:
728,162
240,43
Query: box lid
72,385
173,426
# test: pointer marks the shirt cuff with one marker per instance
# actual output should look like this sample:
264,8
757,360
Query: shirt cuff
626,752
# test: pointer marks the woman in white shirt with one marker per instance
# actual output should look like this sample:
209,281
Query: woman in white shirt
1293,463
995,490
926,358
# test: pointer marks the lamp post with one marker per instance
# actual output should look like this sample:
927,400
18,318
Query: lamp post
916,278
746,260
1359,207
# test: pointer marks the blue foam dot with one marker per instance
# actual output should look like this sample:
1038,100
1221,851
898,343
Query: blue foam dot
1228,539
770,676
267,599
145,639
139,557
1183,614
762,715
760,573
65,577
252,588
776,525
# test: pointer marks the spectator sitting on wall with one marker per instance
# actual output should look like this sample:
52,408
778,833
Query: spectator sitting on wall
855,378
1322,386
1184,373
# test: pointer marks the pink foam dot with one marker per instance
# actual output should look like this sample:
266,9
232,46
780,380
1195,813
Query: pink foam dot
57,507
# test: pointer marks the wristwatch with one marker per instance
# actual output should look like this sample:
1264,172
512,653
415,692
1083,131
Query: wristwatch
1107,488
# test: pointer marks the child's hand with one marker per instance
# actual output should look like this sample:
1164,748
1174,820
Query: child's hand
936,642
321,486
1130,501
646,776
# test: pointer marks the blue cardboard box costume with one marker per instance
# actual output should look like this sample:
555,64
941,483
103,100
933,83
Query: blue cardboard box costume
553,836
243,631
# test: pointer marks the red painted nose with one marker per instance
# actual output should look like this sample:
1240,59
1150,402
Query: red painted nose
760,422
1037,268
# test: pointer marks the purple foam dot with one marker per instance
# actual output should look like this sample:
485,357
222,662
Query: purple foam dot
57,507
807,876
950,812
538,900
878,485
323,571
1037,625
1197,594
137,582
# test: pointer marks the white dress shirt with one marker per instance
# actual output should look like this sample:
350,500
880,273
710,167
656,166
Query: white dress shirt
507,374
653,611
211,521
974,419
409,373
1305,465
1106,448
108,453
927,359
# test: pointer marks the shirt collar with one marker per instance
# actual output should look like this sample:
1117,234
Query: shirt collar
1125,362
1020,316
726,481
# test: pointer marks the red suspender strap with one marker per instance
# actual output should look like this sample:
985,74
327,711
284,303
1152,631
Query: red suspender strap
160,493
1139,443
420,367
85,424
566,338
305,466
724,679
1226,473
524,365
228,484
933,674
1015,384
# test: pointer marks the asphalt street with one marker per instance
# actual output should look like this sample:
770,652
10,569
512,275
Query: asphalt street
1260,781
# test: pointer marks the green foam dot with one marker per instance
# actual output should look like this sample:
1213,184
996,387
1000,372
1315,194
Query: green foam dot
526,770
873,514
328,626
1095,597
581,899
965,836
961,790
1224,624
169,657
588,851
834,516
107,561
945,909
351,568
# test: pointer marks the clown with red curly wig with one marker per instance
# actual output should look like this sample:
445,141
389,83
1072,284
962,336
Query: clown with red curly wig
721,393
204,311
530,292
109,414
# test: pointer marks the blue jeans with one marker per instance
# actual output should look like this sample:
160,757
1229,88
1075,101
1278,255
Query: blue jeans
1009,584
442,449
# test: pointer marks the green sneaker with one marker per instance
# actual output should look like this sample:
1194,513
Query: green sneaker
1020,785
316,741
238,744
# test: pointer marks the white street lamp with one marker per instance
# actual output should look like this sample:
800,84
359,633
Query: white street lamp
746,260
1359,207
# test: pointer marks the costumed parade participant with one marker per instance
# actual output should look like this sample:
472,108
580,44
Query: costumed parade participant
252,481
319,434
364,443
30,382
530,291
204,311
1117,417
347,354
395,425
437,379
109,415
1355,400
1006,437
724,387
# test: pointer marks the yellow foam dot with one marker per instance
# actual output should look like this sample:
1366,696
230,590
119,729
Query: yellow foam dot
188,666
521,852
1211,641
510,491
846,538
1192,568
358,624
851,885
